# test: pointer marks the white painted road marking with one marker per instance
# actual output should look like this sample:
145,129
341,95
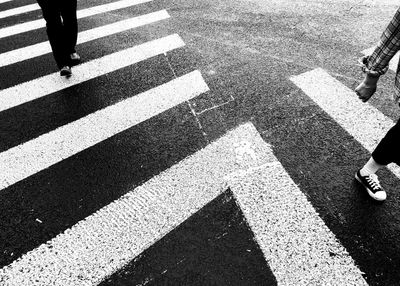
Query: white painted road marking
33,156
4,1
295,241
299,247
110,238
37,24
36,50
361,120
37,88
392,64
104,242
19,10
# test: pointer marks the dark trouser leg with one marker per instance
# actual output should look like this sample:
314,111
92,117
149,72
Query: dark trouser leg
388,149
68,13
55,30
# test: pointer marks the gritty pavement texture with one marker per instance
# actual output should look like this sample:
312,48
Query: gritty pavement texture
102,243
247,52
298,246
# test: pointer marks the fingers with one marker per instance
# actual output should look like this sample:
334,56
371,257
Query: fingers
362,97
364,92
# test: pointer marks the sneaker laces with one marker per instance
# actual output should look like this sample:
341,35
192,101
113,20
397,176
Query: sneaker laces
374,182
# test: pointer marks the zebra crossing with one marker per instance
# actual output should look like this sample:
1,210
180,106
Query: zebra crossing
25,160
46,150
37,24
19,10
25,53
96,248
16,95
296,243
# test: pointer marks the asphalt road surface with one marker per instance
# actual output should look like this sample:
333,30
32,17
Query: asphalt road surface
198,143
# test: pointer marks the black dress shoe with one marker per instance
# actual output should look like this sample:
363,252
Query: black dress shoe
75,59
65,71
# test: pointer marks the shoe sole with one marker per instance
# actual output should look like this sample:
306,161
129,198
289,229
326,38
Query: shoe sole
66,74
371,194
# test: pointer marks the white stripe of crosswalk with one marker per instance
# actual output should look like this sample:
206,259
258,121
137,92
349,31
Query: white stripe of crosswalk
294,239
363,121
19,10
104,242
95,248
36,24
17,95
4,1
33,156
392,64
36,50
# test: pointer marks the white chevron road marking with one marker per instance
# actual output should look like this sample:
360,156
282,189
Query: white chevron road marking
294,239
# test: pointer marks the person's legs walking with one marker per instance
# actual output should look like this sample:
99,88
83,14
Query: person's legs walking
68,13
54,30
388,149
385,153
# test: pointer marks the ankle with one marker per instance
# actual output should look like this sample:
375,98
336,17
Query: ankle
371,167
364,172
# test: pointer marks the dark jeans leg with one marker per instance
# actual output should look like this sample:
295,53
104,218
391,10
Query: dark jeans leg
388,149
55,30
68,14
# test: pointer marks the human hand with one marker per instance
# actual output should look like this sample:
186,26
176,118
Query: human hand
366,88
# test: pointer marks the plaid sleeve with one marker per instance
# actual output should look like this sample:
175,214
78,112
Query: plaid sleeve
387,47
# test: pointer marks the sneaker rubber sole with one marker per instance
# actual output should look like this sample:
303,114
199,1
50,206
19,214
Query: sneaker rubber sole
371,194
